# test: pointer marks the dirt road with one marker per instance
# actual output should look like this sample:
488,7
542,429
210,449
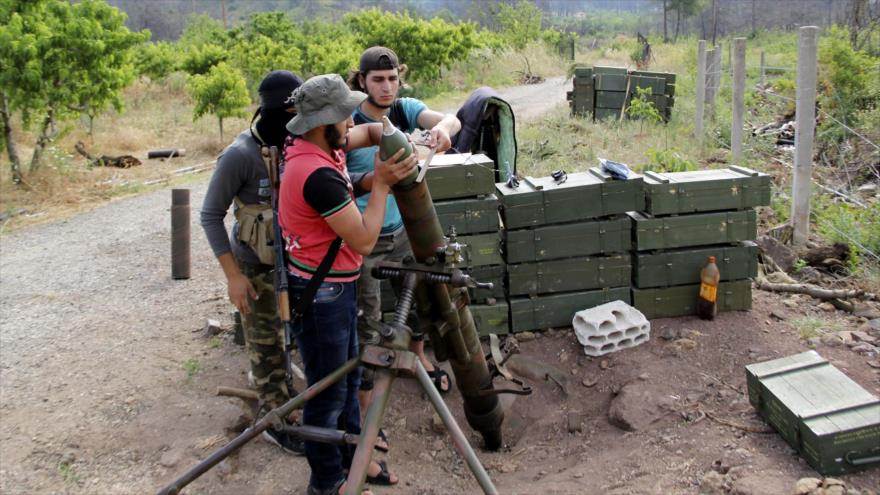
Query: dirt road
107,384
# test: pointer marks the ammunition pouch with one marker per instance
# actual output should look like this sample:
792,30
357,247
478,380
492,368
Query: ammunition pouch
256,230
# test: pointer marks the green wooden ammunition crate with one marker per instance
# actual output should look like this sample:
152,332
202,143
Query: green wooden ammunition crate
493,318
582,196
668,77
670,90
568,240
583,73
558,310
469,216
610,82
682,266
599,69
610,99
699,229
460,175
681,300
733,188
832,421
481,249
573,274
606,114
490,273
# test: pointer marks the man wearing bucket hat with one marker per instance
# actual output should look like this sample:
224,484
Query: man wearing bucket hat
316,207
241,177
379,75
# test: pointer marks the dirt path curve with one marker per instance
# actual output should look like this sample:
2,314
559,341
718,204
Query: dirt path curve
104,386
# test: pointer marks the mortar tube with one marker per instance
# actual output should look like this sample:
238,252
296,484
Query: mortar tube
484,413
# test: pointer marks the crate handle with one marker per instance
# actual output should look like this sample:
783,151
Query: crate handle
851,458
529,180
743,170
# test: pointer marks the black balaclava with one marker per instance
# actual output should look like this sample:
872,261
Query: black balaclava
276,91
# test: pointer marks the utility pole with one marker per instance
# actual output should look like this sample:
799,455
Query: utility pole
805,126
223,6
714,21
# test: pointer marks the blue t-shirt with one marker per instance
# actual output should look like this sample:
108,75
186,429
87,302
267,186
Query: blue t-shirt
361,160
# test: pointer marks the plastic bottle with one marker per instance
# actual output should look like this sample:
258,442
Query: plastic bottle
392,140
709,276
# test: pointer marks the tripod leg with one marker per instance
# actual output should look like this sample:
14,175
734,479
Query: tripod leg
458,439
261,426
357,474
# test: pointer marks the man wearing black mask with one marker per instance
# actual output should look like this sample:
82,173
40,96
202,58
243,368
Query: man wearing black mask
241,177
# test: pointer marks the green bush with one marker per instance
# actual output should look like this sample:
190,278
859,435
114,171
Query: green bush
156,60
668,160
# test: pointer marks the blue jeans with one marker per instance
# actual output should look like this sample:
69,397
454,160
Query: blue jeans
327,338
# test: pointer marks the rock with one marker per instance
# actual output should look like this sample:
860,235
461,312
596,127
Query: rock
669,333
874,363
212,328
507,467
525,336
437,424
224,468
732,458
860,336
832,340
589,382
779,315
577,476
574,420
712,484
780,253
806,485
826,307
604,364
169,458
758,484
68,458
637,405
867,349
814,341
644,377
872,328
685,344
863,310
791,303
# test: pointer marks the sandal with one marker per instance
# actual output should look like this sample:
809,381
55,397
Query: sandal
383,478
384,438
437,375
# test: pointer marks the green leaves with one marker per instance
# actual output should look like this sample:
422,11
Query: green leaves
68,59
222,92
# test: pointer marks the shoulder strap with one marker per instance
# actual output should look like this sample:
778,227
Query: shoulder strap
308,294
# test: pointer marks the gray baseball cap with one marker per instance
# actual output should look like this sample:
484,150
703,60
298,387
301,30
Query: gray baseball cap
322,100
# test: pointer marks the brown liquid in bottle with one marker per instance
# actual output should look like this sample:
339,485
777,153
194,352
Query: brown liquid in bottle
709,276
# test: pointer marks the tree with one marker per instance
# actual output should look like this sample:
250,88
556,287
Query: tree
222,92
520,24
683,8
68,59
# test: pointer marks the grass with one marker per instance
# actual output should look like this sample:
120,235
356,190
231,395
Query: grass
67,473
809,327
192,367
215,342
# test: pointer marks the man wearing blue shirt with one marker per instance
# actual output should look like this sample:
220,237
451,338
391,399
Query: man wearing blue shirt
379,76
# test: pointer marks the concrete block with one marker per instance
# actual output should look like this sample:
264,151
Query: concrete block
610,327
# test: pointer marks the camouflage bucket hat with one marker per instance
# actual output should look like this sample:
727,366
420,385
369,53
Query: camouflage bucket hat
322,100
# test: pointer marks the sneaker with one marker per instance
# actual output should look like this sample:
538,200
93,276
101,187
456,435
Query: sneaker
288,443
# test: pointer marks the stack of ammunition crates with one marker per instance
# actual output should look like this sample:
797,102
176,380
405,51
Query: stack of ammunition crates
566,243
462,188
603,92
688,217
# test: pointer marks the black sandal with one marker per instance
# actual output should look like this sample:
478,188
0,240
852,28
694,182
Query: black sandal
383,478
384,438
437,375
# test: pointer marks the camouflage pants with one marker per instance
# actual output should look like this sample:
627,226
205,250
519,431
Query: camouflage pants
263,333
388,248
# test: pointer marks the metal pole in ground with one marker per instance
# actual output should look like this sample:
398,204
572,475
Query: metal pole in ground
180,234
701,91
805,126
739,83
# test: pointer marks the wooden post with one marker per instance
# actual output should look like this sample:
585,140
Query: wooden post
701,91
763,71
805,126
739,83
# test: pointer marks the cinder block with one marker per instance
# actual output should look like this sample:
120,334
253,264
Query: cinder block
610,327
